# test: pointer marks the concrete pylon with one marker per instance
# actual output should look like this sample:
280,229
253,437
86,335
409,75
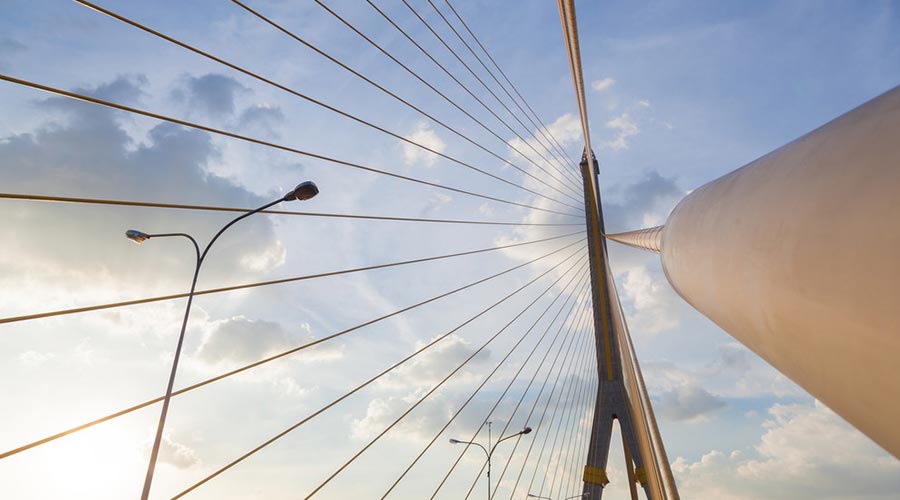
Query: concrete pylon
620,392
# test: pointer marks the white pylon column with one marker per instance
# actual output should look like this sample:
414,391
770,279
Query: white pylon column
797,255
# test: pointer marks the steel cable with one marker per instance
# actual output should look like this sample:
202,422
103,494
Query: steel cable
571,335
543,128
441,94
543,414
113,305
572,313
122,107
458,58
293,92
360,387
569,436
179,392
488,377
181,206
564,170
560,429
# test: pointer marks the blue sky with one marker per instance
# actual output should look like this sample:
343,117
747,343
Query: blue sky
681,93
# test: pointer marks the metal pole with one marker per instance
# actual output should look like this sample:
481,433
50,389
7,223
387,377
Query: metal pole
154,453
489,460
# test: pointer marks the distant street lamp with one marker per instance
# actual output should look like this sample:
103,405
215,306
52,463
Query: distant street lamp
491,452
303,191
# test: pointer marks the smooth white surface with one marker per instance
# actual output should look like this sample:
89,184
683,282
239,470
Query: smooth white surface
797,255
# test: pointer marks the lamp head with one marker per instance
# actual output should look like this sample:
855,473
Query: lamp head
136,236
454,441
526,430
303,191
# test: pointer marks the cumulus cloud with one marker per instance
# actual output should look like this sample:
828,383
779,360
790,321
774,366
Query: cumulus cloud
651,305
435,202
567,130
419,425
212,93
687,403
431,366
750,375
644,203
806,452
624,127
87,150
240,340
424,135
263,118
602,84
174,453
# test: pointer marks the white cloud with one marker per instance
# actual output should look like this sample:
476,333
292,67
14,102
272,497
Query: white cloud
174,453
213,94
734,373
266,259
603,84
35,358
424,135
806,452
431,366
687,403
654,306
625,127
419,425
89,151
644,103
239,340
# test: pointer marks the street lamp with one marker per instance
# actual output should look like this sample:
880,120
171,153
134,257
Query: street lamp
303,191
491,452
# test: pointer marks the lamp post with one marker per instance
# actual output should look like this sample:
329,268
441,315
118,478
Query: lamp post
491,451
303,191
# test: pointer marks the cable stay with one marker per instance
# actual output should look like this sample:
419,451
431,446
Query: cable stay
283,354
478,389
444,380
444,96
180,206
576,326
564,171
147,300
583,354
296,93
540,423
212,130
367,383
581,274
574,312
461,61
450,75
561,428
400,99
581,399
543,129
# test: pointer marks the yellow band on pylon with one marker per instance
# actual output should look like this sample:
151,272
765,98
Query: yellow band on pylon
640,475
595,475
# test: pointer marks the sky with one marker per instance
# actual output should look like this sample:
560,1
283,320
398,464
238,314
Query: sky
679,94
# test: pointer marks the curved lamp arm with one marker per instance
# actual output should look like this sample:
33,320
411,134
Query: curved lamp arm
303,191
